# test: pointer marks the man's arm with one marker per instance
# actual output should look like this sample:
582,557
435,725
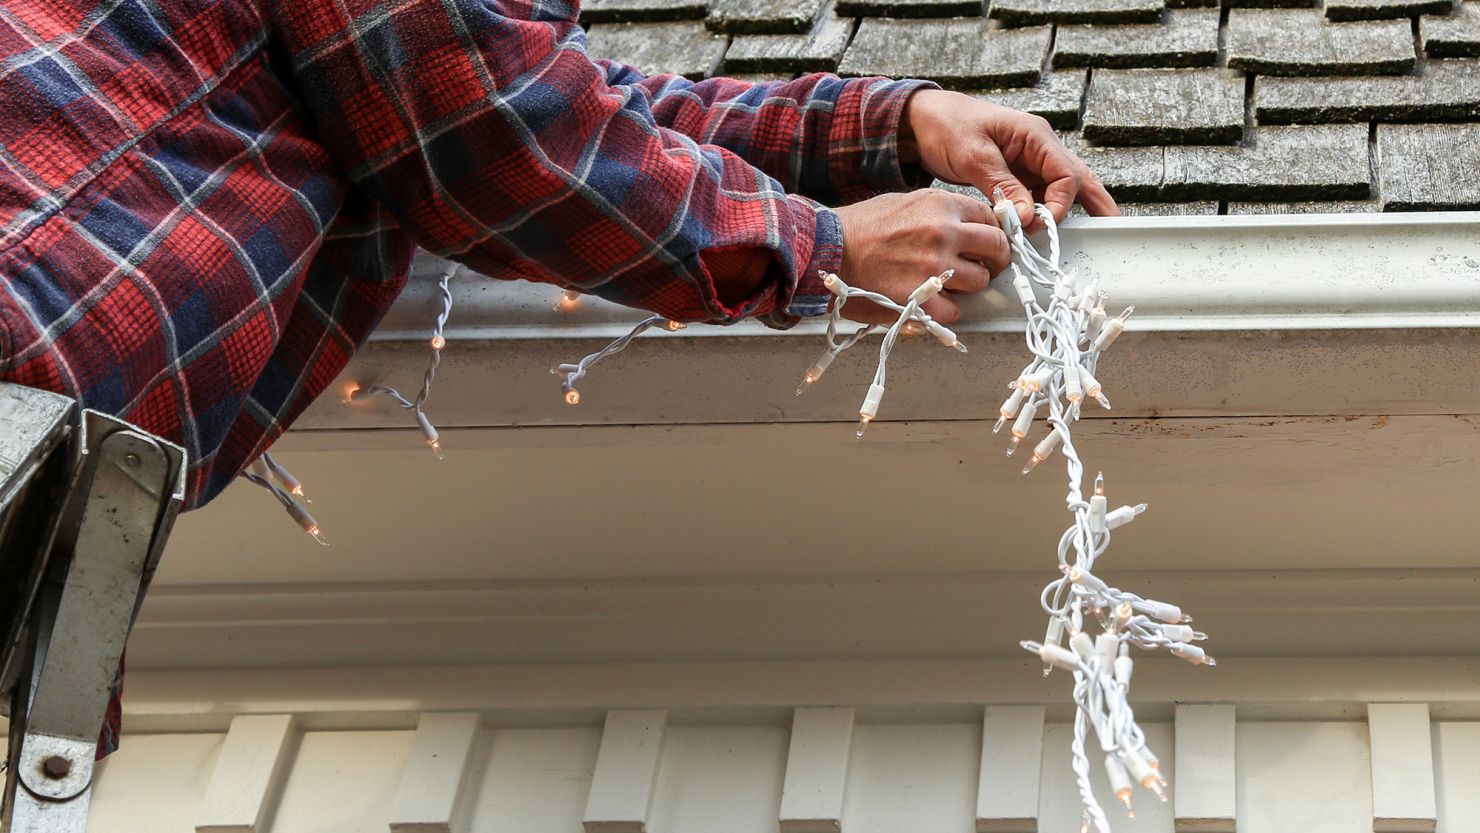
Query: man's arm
493,138
832,139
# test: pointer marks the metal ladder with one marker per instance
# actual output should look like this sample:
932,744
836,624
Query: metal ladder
86,503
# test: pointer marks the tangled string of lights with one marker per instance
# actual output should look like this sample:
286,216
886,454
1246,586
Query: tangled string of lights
1066,338
571,373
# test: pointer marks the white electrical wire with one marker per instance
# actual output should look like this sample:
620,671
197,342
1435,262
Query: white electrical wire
263,472
437,342
571,373
909,313
1066,338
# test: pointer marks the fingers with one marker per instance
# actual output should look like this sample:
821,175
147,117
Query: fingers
981,244
1095,198
941,308
992,173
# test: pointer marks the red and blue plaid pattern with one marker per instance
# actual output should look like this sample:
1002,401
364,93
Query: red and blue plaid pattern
207,205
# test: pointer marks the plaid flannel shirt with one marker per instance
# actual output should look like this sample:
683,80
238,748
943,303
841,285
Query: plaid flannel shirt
207,205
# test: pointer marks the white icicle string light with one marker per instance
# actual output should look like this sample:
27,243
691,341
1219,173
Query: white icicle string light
571,373
1066,339
910,313
263,472
437,342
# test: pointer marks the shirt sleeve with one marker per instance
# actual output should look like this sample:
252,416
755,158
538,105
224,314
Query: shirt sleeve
486,130
831,139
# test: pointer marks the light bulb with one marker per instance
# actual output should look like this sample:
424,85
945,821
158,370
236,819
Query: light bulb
438,342
673,326
297,491
807,379
569,300
1120,780
912,328
299,513
1043,450
358,394
436,447
870,407
572,397
1009,409
1100,484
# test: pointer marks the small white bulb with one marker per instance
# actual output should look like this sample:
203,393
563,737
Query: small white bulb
1009,408
1124,515
870,408
1191,653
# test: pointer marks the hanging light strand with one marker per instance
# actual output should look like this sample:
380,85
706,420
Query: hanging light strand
438,341
570,373
1065,338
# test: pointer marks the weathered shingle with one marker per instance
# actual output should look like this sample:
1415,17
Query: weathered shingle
817,51
1202,208
961,52
1331,207
1457,35
686,49
1187,38
1033,12
1131,174
1423,166
1442,91
1164,106
624,11
911,8
1384,9
1282,163
764,17
1303,43
1056,98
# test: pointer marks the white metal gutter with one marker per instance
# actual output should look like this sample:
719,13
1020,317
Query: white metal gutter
1235,316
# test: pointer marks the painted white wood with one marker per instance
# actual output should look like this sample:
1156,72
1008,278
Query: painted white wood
427,800
534,780
1012,747
1305,777
343,782
1301,688
816,770
1298,478
1457,784
248,772
167,774
719,779
1204,785
1059,809
912,777
1402,768
626,771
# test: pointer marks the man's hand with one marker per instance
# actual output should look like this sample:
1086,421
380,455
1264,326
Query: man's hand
967,141
893,242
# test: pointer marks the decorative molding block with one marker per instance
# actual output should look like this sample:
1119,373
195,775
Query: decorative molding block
248,774
1012,755
1204,788
816,770
436,768
1402,768
626,771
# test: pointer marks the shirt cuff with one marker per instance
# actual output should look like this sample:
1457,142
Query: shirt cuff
864,157
809,297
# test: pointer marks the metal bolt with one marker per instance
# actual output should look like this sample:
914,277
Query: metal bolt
56,767
131,460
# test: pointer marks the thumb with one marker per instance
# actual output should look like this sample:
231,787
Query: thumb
993,174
